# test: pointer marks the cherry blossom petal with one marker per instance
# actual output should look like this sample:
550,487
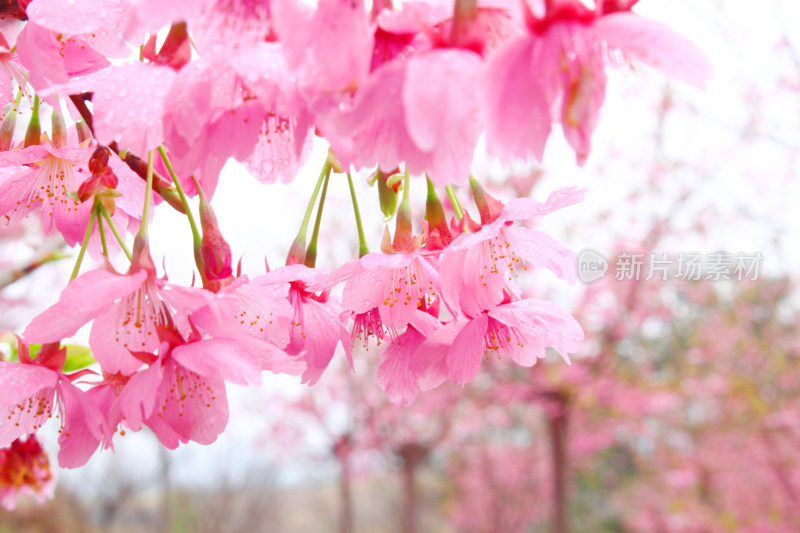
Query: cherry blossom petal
128,103
442,110
26,399
83,426
395,375
541,324
86,297
194,406
220,357
654,44
465,354
518,111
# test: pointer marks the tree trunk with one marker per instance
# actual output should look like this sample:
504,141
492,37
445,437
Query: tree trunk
346,511
341,450
412,455
557,426
166,487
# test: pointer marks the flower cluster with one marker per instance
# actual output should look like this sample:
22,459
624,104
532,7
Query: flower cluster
401,90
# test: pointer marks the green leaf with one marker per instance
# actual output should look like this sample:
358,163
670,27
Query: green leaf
78,357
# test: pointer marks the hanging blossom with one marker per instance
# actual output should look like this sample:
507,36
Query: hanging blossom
33,389
316,328
25,471
479,267
555,71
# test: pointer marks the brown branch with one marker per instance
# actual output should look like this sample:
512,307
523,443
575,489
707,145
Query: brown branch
49,252
161,185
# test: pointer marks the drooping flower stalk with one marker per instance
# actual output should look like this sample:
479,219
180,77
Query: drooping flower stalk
96,211
147,196
297,251
311,252
84,244
105,214
464,14
181,194
451,193
362,242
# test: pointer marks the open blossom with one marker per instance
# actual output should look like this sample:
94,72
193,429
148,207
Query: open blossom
397,373
40,177
25,471
392,283
520,330
329,47
52,58
239,105
126,310
477,268
316,328
33,389
422,110
127,103
179,404
555,73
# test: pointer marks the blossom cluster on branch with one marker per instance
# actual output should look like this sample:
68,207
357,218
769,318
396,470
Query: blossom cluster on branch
401,90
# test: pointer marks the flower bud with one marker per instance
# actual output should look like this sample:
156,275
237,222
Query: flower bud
214,253
488,207
59,137
8,126
98,162
33,135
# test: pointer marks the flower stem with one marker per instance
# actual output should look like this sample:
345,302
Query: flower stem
101,230
104,212
323,177
454,202
184,201
297,250
84,244
464,14
362,243
148,192
311,251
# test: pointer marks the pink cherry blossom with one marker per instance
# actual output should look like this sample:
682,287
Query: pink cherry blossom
397,374
316,328
478,267
401,115
185,405
127,309
392,283
25,471
555,73
520,330
33,389
42,176
236,106
328,48
52,58
99,24
127,103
